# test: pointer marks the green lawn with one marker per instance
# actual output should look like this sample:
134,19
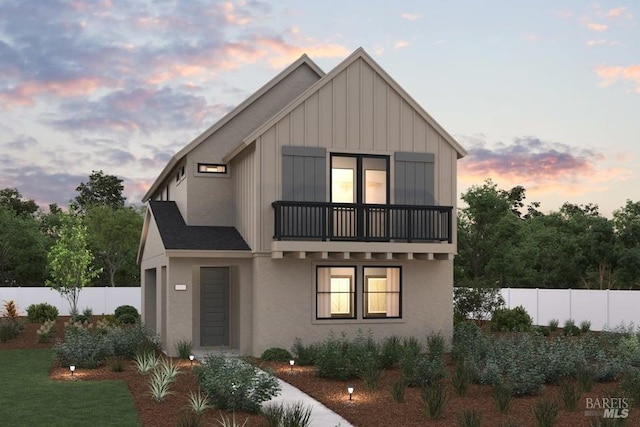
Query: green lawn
29,398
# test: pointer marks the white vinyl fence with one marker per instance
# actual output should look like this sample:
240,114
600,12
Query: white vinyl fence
100,300
603,308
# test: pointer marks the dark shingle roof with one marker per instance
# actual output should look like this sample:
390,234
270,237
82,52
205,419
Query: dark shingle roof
176,234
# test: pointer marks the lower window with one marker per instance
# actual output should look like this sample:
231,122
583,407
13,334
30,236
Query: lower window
336,292
382,292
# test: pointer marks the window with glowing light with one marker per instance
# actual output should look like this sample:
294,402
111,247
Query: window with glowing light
335,296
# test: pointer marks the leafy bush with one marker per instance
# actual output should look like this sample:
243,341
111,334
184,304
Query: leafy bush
553,325
510,320
421,371
127,314
435,345
630,383
234,384
562,359
585,326
475,303
127,341
304,355
40,313
390,351
46,330
81,348
276,354
10,329
570,328
468,341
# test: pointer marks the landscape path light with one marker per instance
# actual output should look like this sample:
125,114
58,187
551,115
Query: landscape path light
72,368
191,357
350,391
292,362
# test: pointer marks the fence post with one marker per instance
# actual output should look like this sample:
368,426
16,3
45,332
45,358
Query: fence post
570,304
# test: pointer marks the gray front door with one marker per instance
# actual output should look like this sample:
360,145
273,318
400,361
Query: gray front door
214,306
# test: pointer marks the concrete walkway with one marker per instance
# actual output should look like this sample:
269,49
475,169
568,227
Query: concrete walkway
321,416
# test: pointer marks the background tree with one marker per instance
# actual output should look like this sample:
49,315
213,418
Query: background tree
12,199
626,221
23,258
70,261
113,237
100,190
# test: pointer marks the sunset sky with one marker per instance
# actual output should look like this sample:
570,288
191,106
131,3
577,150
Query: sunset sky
543,94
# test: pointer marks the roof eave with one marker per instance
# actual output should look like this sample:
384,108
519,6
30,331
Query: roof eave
176,158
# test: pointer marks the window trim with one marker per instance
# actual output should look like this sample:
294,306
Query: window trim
353,293
365,300
205,172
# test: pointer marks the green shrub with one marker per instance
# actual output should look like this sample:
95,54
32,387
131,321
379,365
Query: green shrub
398,390
276,354
46,331
553,325
127,341
81,348
391,351
460,379
562,358
435,345
127,314
292,415
585,378
570,328
630,383
421,371
183,348
542,330
502,396
475,302
570,393
468,341
40,313
81,318
10,329
585,326
434,398
469,418
545,413
115,363
510,320
304,355
234,384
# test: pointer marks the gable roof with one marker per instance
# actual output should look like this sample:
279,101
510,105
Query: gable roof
359,53
176,234
176,158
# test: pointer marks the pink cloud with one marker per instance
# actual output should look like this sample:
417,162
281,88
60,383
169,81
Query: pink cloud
401,44
614,13
610,75
25,93
410,16
596,27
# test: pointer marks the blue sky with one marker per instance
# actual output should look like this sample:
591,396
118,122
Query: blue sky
543,94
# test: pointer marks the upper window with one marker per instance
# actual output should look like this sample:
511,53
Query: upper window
359,179
382,292
212,168
336,292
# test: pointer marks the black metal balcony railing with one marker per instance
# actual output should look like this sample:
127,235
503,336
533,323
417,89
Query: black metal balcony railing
361,222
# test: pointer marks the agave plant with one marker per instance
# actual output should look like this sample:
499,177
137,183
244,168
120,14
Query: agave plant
146,362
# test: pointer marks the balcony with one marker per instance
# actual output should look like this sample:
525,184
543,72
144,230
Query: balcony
346,222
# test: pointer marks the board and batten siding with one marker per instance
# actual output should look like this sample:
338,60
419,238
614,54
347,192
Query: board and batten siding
356,111
245,195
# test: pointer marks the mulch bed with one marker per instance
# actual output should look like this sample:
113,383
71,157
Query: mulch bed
367,407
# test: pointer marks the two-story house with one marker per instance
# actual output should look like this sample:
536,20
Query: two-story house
323,202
